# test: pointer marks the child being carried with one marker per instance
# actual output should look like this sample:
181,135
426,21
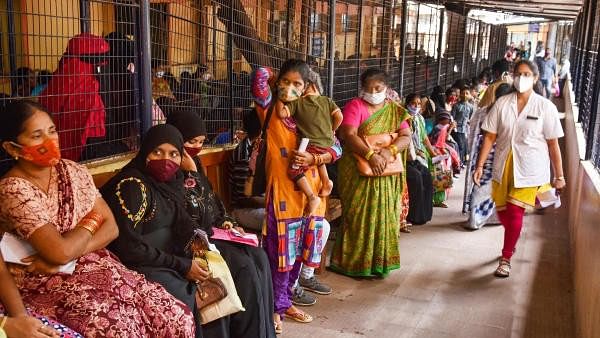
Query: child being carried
317,118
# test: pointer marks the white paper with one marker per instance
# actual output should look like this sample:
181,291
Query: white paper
439,158
303,144
14,250
301,148
549,198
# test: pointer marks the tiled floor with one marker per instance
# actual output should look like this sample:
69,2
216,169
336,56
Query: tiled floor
445,287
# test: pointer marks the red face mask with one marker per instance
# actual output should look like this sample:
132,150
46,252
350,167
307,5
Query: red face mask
46,154
452,100
193,151
162,170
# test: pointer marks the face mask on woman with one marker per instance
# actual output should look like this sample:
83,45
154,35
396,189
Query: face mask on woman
523,83
46,154
414,110
288,93
192,151
374,98
162,170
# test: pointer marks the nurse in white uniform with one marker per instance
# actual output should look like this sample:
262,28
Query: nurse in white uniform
525,127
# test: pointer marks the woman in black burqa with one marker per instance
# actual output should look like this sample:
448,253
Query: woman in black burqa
149,198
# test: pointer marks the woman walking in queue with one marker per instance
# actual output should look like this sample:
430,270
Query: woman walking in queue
368,242
524,126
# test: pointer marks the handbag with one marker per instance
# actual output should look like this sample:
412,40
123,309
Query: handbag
209,291
376,143
231,303
216,297
441,178
257,181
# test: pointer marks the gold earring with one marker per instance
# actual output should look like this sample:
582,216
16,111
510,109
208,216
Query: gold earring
16,158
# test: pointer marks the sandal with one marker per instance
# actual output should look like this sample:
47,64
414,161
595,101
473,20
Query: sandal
298,315
503,269
405,227
278,325
441,205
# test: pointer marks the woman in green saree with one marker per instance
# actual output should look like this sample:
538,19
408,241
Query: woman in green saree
367,245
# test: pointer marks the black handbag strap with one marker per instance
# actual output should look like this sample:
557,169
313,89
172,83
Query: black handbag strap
263,132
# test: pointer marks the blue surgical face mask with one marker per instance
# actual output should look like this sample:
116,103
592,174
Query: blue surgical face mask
414,110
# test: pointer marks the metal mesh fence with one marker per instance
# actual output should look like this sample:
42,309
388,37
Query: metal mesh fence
586,73
198,55
68,56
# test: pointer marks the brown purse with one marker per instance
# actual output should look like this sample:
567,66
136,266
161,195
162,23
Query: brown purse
376,143
212,289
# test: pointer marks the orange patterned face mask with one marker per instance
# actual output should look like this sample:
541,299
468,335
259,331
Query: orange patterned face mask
46,154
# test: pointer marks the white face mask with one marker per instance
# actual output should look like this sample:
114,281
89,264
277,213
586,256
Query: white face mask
374,98
523,83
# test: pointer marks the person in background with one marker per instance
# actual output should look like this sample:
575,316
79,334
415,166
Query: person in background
462,112
249,211
43,78
418,177
117,90
438,97
564,74
439,139
547,67
477,200
452,96
500,69
73,94
367,244
527,52
25,81
428,108
16,322
53,205
525,127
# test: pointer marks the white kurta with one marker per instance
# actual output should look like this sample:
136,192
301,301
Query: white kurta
526,134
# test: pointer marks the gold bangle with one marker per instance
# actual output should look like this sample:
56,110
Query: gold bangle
4,319
89,225
369,154
393,149
96,216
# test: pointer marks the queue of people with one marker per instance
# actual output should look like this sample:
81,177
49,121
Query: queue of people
138,270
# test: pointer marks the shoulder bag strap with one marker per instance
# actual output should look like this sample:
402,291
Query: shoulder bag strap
263,132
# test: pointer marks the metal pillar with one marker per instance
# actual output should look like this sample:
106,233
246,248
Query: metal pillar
12,47
84,16
331,44
144,55
403,45
230,71
358,38
440,38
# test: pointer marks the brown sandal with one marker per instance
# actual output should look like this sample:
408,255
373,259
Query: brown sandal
405,227
298,315
278,325
503,269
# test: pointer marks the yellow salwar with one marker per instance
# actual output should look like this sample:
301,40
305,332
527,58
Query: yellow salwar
505,192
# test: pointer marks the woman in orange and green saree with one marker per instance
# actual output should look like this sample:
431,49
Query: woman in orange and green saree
367,245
